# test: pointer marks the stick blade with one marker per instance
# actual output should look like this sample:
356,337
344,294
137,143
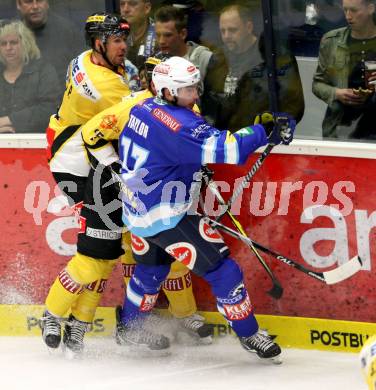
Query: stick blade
276,291
344,271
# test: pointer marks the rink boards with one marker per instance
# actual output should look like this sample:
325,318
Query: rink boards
293,332
313,202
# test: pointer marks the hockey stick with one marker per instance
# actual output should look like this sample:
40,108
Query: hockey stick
342,272
270,59
247,178
276,291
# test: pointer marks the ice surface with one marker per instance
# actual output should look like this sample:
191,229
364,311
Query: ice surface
26,363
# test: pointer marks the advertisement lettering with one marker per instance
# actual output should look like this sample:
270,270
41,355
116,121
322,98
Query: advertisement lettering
337,338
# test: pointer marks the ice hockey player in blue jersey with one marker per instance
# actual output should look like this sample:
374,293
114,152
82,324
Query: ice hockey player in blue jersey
162,149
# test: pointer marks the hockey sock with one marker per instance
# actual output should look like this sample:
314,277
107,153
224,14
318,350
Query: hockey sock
177,286
142,291
81,272
85,306
127,261
178,290
233,300
62,294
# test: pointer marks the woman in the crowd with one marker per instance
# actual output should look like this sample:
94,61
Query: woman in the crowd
28,86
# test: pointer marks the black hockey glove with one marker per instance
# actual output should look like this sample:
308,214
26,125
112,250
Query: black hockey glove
279,126
111,174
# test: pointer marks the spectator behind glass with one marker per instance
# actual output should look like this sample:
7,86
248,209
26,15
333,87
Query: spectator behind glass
237,88
238,55
141,41
28,85
58,38
252,93
196,17
171,31
340,78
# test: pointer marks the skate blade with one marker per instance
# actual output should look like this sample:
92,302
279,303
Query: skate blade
72,355
142,351
208,340
139,352
277,360
190,338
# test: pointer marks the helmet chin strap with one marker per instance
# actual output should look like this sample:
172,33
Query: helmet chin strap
102,52
104,55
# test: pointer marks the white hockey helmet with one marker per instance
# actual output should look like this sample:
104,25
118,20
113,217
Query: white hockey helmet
174,73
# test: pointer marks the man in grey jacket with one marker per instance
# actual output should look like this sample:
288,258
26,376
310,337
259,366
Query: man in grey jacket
341,80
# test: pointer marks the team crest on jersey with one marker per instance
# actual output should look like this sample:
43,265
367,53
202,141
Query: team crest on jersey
109,122
166,119
139,245
183,252
208,233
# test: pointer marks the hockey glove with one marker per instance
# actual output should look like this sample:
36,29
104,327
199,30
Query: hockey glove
115,170
279,126
111,175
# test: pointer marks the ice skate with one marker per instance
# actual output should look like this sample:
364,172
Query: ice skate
73,338
195,326
263,345
51,330
139,338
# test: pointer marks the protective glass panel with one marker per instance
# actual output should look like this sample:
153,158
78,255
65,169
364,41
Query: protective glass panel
38,38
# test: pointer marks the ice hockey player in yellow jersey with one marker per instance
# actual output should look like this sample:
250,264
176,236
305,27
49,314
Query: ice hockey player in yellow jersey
80,285
368,362
95,81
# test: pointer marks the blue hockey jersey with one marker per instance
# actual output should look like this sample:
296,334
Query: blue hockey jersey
162,147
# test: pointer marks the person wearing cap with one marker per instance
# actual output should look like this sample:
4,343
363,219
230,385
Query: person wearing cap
96,80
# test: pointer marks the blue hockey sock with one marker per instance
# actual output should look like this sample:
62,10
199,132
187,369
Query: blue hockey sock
142,291
233,300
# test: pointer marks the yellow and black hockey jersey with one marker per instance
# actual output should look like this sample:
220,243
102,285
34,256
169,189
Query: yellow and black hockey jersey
90,89
99,132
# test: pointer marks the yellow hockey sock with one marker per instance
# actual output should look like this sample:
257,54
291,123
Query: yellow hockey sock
82,272
178,290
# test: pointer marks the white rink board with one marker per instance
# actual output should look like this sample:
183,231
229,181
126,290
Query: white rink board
26,364
298,146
